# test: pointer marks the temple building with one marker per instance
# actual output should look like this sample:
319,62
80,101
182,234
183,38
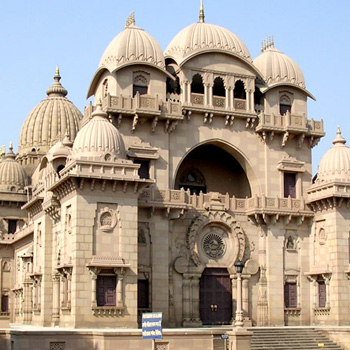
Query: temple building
187,161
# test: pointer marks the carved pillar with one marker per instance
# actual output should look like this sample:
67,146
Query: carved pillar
315,293
120,276
252,109
227,97
34,295
234,296
188,89
210,95
93,289
206,95
39,294
247,105
327,282
63,291
56,298
245,297
195,301
232,100
69,291
186,315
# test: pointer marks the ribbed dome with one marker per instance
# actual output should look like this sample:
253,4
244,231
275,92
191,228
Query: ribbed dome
276,67
49,120
205,37
98,137
12,176
335,164
132,45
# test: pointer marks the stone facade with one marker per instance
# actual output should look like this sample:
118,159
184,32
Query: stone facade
187,162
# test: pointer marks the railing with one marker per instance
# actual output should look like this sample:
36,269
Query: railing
182,198
197,99
240,104
289,121
140,104
219,102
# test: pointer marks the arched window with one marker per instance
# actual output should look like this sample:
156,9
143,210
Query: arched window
197,86
239,90
140,85
285,104
173,86
105,88
219,88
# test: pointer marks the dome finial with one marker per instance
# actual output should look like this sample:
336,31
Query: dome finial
56,88
268,43
201,13
2,151
11,146
130,21
339,139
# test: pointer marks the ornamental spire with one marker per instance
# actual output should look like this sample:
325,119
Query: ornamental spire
130,21
201,13
268,43
56,88
339,139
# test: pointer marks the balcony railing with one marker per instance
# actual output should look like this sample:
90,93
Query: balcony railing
197,99
240,104
184,199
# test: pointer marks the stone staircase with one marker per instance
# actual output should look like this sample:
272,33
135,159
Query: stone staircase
276,338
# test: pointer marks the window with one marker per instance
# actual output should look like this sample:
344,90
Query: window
192,179
4,303
321,294
290,295
144,168
285,104
142,294
290,185
219,88
239,90
197,86
140,84
12,226
105,290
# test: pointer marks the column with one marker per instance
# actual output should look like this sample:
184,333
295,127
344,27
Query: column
247,105
232,100
186,317
93,289
327,282
210,95
195,301
62,290
234,296
245,297
35,301
252,107
315,302
227,97
69,290
188,88
39,294
56,298
239,312
206,95
120,299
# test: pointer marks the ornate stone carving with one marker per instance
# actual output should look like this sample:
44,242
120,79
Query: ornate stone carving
213,245
226,224
57,345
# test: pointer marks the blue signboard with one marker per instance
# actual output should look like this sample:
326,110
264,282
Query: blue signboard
152,325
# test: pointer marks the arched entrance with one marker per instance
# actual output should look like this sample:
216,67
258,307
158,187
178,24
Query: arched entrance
211,168
215,297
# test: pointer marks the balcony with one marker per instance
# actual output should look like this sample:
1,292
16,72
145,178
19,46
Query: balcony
257,208
290,124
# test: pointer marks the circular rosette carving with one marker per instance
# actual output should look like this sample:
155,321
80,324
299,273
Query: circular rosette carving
216,239
107,220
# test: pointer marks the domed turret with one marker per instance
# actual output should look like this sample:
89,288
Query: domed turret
277,68
204,37
51,118
335,164
132,45
12,175
99,138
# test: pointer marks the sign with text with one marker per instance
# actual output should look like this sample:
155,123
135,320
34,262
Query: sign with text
152,325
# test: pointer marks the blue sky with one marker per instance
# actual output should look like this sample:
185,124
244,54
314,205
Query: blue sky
38,35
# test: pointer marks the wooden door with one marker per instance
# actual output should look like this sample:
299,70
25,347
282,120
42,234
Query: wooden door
215,297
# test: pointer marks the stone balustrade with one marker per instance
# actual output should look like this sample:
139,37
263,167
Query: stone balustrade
290,122
152,197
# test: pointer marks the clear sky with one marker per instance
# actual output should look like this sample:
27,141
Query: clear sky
38,35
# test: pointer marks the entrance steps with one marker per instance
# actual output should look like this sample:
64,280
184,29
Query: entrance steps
276,338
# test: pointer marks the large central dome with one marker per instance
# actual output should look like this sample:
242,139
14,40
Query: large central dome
201,37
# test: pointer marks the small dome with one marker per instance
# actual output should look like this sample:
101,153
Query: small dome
51,118
12,175
61,149
132,45
201,37
335,164
276,67
98,137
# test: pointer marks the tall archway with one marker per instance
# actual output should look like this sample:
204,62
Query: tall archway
210,168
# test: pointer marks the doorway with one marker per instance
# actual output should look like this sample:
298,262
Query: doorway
215,297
